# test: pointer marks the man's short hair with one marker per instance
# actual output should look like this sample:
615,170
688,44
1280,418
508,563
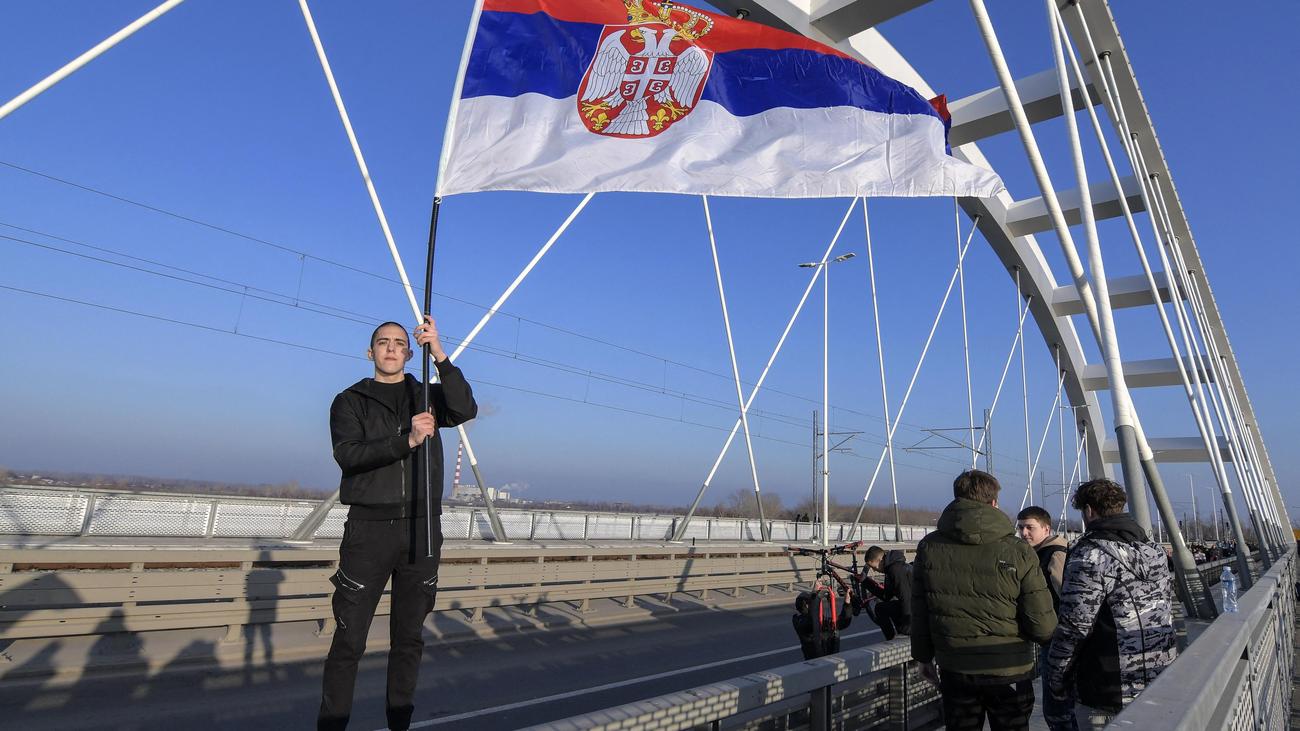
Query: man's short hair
381,326
976,485
1033,512
874,553
1104,496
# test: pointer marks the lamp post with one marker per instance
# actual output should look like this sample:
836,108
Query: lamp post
826,405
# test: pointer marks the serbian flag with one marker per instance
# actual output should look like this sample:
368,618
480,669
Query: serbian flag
577,96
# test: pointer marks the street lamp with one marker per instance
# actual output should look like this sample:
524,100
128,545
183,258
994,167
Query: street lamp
826,399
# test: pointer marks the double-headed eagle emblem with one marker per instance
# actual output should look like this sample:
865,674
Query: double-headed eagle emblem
646,74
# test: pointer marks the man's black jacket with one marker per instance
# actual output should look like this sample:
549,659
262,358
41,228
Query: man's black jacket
898,583
382,475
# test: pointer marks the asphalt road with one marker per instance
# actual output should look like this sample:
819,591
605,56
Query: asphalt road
481,684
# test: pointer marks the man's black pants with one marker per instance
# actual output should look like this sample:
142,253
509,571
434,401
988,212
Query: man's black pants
372,552
889,615
967,700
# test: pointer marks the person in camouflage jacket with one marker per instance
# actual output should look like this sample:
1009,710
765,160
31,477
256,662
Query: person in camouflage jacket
1115,630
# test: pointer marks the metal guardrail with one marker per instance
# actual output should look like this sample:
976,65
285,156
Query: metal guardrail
52,511
1237,674
874,687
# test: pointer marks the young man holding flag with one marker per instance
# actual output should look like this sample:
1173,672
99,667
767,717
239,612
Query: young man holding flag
377,427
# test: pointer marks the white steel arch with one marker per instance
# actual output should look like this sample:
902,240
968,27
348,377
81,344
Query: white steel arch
1009,226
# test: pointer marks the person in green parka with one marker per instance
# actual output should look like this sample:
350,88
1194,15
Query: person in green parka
979,605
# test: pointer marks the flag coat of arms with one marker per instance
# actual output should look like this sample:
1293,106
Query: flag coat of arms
577,96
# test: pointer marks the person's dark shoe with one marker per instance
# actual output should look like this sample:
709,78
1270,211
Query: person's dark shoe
399,719
332,724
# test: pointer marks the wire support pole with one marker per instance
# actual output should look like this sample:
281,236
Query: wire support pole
902,407
780,343
965,336
1195,396
1024,394
735,371
1006,368
97,50
1114,103
1124,417
826,403
498,532
880,358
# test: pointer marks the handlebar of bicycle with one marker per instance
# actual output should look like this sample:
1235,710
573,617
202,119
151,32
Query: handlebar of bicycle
828,551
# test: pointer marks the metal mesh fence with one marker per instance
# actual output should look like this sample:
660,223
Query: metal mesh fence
258,520
61,511
559,526
42,515
127,516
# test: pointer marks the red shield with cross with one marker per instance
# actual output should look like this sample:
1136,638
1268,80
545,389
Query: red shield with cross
642,79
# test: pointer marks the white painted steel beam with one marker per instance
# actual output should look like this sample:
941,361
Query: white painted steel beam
1105,34
1150,373
841,19
1171,449
985,114
1031,216
1124,292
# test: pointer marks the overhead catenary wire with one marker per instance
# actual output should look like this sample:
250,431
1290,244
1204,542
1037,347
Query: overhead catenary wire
354,356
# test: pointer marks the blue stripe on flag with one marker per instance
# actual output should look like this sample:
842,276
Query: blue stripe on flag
516,54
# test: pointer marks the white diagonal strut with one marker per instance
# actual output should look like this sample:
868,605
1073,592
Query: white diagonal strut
1047,428
72,66
735,428
735,368
1006,368
952,281
965,338
522,275
880,357
388,238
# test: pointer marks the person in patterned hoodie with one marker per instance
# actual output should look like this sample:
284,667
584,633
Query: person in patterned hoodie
1115,630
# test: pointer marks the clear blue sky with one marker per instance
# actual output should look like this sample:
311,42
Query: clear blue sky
219,113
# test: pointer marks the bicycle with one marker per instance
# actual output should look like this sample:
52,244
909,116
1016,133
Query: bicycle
819,613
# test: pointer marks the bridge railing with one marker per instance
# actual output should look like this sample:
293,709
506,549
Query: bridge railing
53,511
1237,674
54,592
874,687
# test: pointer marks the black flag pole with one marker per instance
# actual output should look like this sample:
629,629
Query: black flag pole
428,441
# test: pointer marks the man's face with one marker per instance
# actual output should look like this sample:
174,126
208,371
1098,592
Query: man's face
390,351
1032,531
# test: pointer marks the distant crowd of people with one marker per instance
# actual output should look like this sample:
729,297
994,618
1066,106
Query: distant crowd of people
989,605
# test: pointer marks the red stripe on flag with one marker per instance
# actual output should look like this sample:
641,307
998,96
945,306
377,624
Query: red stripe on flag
728,34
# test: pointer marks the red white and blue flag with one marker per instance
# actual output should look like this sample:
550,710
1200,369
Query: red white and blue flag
576,96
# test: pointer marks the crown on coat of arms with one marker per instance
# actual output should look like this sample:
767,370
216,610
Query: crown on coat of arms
688,22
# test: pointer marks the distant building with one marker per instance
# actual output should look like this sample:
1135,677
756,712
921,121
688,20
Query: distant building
471,493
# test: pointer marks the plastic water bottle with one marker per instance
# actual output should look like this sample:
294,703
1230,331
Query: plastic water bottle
1229,582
